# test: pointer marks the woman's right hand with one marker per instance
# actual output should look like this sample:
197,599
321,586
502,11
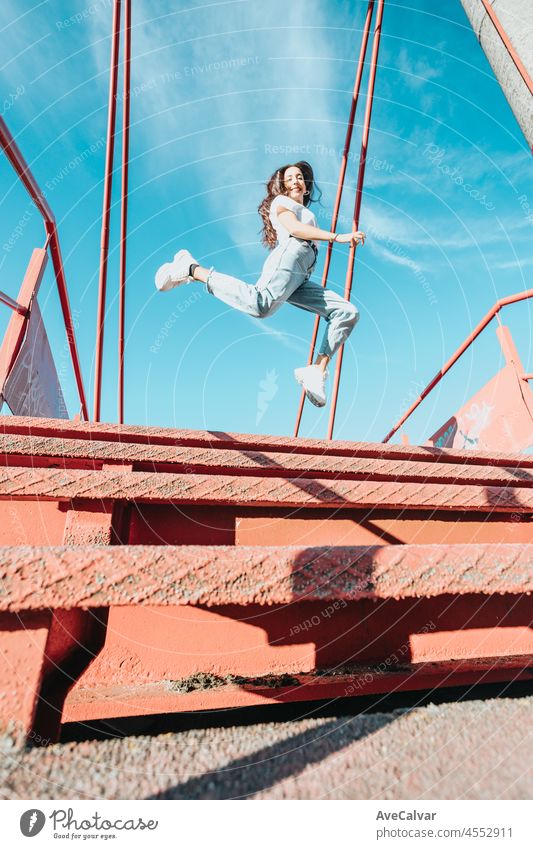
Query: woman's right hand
345,238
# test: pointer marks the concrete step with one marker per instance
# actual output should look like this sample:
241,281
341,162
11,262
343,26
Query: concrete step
38,578
46,451
172,570
155,436
256,491
479,749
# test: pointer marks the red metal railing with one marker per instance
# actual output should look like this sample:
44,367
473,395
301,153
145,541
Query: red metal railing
358,199
108,178
24,174
340,187
106,207
124,206
510,299
358,195
19,164
106,210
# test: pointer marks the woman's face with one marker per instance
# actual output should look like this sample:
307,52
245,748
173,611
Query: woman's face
294,184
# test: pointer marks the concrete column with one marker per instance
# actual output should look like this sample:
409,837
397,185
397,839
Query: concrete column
516,18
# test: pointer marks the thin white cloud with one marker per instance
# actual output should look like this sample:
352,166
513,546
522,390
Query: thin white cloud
398,257
513,264
407,231
223,82
176,65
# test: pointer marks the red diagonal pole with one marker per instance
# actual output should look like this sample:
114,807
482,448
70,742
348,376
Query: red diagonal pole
14,155
106,209
503,302
340,186
124,206
358,199
14,305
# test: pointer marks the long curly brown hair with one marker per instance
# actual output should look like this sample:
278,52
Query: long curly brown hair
275,186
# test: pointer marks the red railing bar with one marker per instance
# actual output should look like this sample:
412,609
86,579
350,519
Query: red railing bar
106,210
22,169
340,187
358,199
510,49
14,305
124,206
503,302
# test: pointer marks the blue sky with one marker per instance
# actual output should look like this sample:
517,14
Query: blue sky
220,92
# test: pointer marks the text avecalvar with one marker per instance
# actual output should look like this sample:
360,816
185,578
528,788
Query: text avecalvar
405,815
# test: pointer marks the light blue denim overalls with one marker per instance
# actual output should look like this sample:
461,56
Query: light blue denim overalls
285,277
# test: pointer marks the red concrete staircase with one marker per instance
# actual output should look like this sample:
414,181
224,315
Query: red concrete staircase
146,571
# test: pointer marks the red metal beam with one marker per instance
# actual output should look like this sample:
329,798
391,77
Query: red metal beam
35,578
22,169
334,621
124,206
24,174
82,453
106,209
358,199
202,691
220,440
163,488
510,299
340,186
166,658
57,261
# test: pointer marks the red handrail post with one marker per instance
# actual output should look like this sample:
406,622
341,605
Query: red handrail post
510,299
340,186
22,169
124,206
106,209
358,198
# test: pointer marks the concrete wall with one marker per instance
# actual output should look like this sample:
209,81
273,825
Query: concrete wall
516,17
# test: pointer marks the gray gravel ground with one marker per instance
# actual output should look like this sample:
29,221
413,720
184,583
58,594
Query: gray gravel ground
473,750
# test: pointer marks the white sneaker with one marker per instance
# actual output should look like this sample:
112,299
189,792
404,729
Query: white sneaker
174,273
313,380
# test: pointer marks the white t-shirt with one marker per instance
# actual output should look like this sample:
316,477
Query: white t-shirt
302,213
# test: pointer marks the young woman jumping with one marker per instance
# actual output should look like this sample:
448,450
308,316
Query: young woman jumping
290,232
